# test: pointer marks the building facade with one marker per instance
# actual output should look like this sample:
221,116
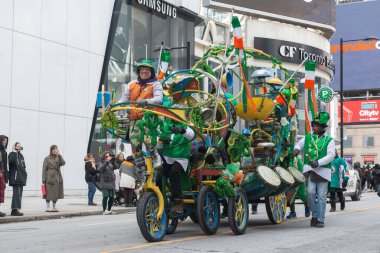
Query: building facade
55,54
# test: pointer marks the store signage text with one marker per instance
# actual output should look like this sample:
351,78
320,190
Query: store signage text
292,52
361,111
160,7
358,46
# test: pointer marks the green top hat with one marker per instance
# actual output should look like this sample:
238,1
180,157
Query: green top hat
146,63
322,119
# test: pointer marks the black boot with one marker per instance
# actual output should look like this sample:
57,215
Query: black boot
129,199
177,207
333,206
342,204
15,212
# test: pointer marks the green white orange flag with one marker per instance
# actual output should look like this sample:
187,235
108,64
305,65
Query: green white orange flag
238,36
164,64
310,100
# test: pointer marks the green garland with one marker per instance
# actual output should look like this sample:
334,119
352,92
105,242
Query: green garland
196,117
238,147
109,120
224,188
153,123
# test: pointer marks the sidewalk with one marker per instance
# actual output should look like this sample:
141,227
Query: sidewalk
34,208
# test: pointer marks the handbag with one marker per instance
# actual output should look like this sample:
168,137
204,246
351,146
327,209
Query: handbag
43,190
127,181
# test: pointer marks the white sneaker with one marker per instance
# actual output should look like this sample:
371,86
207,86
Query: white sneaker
107,212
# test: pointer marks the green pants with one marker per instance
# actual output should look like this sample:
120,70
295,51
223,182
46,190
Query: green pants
301,192
134,137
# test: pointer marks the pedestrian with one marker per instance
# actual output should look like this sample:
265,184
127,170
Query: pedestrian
90,177
376,176
107,181
145,90
17,177
3,168
338,176
127,180
52,178
367,173
359,169
319,152
300,191
176,153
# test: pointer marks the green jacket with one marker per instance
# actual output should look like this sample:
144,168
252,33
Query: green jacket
338,172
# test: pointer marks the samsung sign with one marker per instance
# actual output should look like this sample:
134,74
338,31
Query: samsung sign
291,52
161,7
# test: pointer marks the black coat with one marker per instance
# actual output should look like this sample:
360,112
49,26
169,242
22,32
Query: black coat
91,173
17,172
4,158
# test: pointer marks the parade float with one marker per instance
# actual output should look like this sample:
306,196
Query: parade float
258,167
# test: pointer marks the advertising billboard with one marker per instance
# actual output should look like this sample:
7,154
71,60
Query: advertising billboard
360,111
314,13
361,58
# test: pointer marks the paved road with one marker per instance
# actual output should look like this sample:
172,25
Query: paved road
356,229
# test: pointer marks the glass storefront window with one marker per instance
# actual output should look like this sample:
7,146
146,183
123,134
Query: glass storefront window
138,35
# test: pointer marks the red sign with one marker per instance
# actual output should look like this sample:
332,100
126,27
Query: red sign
360,111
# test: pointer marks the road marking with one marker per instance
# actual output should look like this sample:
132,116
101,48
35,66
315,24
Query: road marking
103,223
146,245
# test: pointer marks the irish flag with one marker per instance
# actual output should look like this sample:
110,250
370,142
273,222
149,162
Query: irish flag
310,100
164,63
238,36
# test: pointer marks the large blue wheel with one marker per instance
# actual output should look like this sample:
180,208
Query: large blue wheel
238,212
276,207
152,228
208,210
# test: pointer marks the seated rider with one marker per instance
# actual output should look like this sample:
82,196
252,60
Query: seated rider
176,154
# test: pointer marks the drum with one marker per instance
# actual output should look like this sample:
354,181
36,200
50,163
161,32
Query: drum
260,183
287,180
298,176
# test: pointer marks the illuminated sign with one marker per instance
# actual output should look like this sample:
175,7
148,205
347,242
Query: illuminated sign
361,111
358,46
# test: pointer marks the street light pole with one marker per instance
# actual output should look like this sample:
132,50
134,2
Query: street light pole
341,97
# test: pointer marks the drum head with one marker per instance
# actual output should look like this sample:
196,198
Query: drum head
285,175
298,176
269,176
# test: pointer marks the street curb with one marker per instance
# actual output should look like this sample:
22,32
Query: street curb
13,219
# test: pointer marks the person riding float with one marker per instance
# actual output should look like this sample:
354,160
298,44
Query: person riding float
176,156
144,90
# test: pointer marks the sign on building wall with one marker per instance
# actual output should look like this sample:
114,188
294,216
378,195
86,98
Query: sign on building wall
160,7
287,51
361,111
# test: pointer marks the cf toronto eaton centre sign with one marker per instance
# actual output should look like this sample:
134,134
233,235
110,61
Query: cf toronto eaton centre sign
287,51
160,6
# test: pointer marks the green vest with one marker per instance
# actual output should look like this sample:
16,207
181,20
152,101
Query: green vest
179,147
316,148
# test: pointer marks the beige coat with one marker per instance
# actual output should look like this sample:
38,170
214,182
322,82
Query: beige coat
52,177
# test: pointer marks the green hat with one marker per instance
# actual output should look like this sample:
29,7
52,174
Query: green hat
146,63
322,119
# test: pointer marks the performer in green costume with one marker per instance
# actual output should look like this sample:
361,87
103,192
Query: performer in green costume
176,155
300,191
337,185
319,152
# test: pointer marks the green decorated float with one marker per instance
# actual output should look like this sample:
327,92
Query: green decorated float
228,167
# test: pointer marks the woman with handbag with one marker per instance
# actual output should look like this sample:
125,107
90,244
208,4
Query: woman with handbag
90,177
107,181
3,168
52,178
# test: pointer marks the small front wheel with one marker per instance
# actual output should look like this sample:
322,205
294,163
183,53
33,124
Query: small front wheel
208,210
152,228
238,213
276,207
